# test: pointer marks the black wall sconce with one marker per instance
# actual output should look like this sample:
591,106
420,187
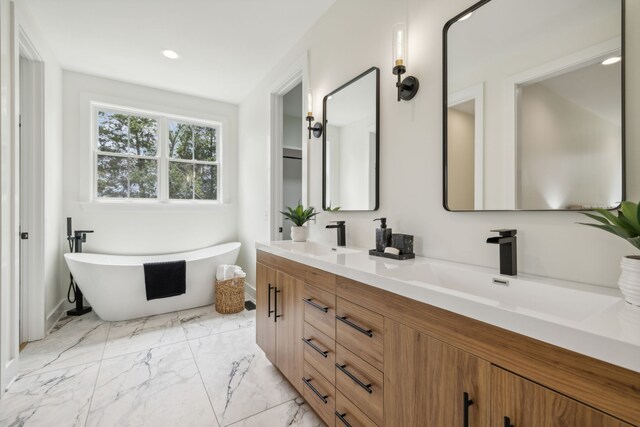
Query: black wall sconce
407,87
317,127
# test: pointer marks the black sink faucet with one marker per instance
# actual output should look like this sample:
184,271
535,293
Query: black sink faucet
342,232
508,251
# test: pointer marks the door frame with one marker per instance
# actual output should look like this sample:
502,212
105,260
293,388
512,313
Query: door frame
296,74
32,313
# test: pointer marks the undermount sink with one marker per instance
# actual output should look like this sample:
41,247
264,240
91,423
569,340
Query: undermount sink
560,300
312,248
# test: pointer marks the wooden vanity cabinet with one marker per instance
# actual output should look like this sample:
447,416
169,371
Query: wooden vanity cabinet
265,325
402,363
279,321
430,383
518,402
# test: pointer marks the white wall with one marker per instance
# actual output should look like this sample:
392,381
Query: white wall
130,229
460,160
551,243
8,306
54,293
568,156
354,160
292,129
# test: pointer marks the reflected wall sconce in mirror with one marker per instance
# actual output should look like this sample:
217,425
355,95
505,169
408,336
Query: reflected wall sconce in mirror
317,127
407,87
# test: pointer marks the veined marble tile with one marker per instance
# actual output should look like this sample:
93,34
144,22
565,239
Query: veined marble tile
130,336
239,379
72,341
59,397
295,413
157,387
203,321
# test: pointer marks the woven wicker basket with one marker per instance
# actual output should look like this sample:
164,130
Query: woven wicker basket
230,295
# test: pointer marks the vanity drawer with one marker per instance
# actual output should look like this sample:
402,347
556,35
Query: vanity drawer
320,352
320,310
361,331
320,394
361,383
348,414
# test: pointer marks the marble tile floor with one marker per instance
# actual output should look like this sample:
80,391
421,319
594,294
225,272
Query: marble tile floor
188,368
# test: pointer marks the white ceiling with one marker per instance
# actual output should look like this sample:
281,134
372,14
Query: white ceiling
226,46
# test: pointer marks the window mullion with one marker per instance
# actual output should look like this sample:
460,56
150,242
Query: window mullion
163,140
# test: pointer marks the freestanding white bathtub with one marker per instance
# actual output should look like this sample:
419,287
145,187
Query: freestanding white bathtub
114,284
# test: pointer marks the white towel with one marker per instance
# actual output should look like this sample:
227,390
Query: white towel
224,272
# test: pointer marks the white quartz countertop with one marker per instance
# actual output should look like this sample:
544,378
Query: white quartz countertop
587,319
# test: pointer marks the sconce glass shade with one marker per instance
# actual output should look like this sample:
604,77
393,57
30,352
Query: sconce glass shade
399,45
309,104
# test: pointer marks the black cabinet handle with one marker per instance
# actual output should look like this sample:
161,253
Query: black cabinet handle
466,403
355,379
313,389
308,342
315,305
275,305
344,320
269,311
507,422
341,418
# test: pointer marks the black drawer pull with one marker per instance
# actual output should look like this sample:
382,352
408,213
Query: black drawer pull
507,422
466,402
308,342
344,320
355,379
315,305
269,311
313,389
341,418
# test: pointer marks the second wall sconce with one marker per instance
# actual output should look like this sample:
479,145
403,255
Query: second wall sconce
407,87
317,127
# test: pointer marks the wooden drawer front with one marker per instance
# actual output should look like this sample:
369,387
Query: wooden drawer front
361,383
361,331
320,394
320,352
319,278
320,310
348,414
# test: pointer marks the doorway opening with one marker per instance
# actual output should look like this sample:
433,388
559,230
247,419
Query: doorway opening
287,104
291,154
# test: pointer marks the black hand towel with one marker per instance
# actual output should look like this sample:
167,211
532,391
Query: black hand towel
165,279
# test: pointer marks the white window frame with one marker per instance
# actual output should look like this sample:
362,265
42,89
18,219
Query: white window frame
162,155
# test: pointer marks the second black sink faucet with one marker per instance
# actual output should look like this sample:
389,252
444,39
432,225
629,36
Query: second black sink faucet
342,232
508,251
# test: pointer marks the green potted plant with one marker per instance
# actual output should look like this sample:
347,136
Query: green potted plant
299,216
626,225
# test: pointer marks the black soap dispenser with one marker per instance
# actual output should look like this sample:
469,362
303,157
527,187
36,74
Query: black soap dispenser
383,235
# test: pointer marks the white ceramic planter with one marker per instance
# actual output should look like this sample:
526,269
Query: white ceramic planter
629,281
299,234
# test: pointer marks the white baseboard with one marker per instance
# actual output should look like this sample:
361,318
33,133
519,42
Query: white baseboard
55,315
250,291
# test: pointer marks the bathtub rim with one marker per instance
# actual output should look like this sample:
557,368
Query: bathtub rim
97,258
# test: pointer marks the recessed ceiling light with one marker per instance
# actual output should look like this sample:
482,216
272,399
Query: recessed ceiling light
171,54
465,17
612,60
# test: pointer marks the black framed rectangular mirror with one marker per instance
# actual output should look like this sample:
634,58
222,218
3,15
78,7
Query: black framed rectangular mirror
533,111
351,145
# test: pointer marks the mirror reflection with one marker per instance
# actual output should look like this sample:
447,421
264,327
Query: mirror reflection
534,118
350,145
